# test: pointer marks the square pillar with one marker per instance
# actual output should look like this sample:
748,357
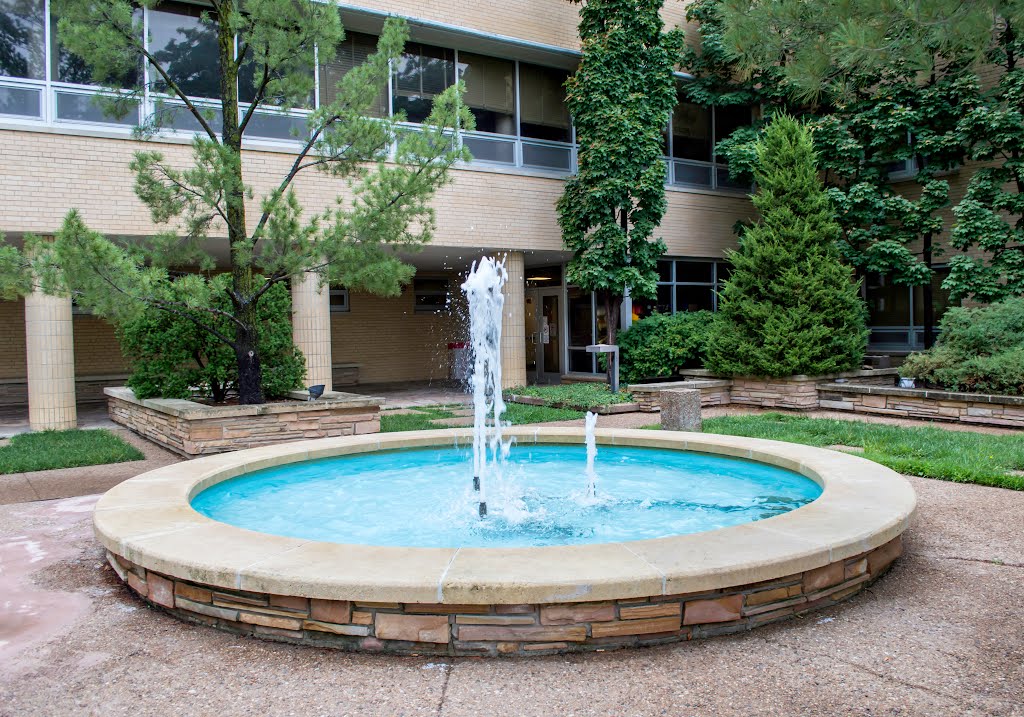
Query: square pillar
50,354
311,327
513,322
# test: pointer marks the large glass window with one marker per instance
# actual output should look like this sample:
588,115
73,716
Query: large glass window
543,113
691,132
183,39
695,131
684,285
490,92
896,312
422,73
352,52
23,39
68,67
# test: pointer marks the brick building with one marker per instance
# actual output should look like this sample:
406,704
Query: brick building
58,152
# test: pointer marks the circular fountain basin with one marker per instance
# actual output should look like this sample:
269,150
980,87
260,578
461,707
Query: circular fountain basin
474,592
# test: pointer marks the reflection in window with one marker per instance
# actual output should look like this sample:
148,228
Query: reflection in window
68,67
543,113
421,73
684,285
351,53
691,132
490,92
183,39
23,39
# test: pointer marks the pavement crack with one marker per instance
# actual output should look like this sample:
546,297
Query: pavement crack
449,668
986,561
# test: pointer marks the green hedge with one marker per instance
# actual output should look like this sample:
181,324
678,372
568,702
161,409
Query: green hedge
979,350
662,345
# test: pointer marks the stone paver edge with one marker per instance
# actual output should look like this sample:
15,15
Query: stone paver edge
149,521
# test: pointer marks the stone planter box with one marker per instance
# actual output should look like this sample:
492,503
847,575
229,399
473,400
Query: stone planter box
798,393
971,408
192,429
600,410
713,392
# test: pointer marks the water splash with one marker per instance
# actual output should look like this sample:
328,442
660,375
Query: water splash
486,304
590,424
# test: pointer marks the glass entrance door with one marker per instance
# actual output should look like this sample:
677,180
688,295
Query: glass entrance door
543,335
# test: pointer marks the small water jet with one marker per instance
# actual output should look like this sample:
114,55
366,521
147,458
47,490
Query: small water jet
590,425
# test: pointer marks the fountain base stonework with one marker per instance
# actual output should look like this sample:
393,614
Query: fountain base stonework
505,601
523,629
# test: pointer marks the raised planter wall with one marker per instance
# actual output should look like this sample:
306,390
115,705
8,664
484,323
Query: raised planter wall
192,429
970,408
713,392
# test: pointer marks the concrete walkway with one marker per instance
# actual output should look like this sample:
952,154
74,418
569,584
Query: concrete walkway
940,635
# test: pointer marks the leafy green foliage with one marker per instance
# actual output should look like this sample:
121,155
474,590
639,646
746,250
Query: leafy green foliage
990,218
620,99
662,345
931,452
789,306
171,358
48,450
386,177
583,395
979,349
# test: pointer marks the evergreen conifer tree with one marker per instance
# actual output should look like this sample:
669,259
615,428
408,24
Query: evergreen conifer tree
790,306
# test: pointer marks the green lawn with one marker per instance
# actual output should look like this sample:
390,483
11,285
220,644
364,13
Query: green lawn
64,449
424,417
929,451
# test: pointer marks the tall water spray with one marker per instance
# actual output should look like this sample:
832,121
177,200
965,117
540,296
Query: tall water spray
591,423
486,303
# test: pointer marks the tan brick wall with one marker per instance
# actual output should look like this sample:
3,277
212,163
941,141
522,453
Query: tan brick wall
46,175
390,341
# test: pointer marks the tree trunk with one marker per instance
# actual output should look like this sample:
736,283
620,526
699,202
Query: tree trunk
243,285
612,304
927,297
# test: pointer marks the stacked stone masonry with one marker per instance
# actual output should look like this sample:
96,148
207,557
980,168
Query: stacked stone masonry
712,393
969,408
190,433
498,630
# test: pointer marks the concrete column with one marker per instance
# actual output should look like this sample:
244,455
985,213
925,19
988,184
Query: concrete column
50,354
513,323
311,328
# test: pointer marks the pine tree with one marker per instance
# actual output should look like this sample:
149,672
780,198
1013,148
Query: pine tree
790,306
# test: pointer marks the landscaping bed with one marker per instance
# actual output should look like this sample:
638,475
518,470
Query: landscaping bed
48,450
594,397
425,418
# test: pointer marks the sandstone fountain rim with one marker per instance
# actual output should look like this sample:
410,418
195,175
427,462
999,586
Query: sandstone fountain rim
149,521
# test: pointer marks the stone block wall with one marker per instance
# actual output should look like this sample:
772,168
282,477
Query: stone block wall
192,429
712,393
979,409
499,630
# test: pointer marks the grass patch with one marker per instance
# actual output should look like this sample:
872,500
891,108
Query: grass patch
577,395
47,450
425,416
521,413
927,451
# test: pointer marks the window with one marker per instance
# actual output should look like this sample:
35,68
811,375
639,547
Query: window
896,312
695,131
339,300
430,295
422,73
352,52
183,39
542,108
71,69
684,285
490,92
23,39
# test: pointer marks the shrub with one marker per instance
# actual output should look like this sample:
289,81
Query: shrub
662,345
979,349
790,306
170,356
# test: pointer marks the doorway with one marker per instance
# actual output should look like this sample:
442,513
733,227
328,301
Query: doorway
543,334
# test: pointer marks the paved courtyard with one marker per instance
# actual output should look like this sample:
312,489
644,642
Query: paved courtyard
941,634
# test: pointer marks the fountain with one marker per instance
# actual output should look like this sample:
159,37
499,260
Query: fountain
379,542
